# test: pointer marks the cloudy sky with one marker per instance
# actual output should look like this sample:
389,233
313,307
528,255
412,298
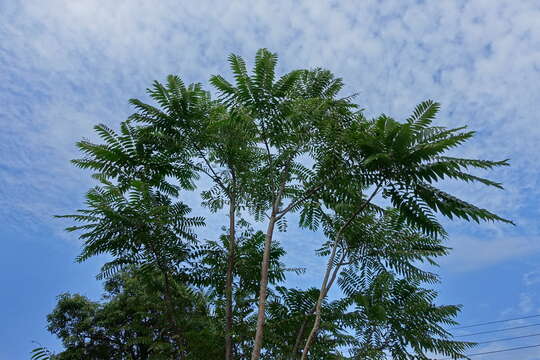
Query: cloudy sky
67,65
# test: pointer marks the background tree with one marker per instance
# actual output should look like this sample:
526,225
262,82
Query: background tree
132,321
141,228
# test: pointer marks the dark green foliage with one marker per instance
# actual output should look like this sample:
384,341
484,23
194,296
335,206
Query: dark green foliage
131,321
129,157
408,158
41,353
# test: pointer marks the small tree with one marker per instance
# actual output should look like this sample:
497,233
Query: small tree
402,161
132,321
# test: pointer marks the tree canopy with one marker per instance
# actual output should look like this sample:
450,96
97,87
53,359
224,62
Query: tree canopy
267,150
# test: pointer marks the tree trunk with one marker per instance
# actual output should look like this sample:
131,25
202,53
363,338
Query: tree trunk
229,282
325,287
256,353
169,307
172,319
318,306
299,336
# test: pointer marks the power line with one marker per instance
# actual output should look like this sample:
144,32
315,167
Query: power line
506,339
499,330
499,351
495,322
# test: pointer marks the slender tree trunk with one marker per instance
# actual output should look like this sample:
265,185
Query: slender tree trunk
168,300
172,319
300,332
229,281
318,306
299,336
325,286
256,353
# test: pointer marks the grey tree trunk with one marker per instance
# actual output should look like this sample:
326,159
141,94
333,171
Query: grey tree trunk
256,353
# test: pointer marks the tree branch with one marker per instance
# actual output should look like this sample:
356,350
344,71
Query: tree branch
324,287
302,198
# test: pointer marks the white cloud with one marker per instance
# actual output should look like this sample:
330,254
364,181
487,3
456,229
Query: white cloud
531,278
472,252
526,303
73,64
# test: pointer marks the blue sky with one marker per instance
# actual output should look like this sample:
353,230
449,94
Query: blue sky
67,65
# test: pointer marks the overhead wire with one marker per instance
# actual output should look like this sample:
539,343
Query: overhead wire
508,339
495,322
498,351
501,339
498,330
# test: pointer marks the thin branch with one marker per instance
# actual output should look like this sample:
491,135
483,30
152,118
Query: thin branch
324,286
200,168
334,274
302,198
312,310
267,147
279,195
301,333
216,177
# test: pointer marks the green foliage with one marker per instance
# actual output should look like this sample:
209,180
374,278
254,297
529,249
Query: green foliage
385,242
128,157
270,145
131,322
41,353
408,158
393,313
210,267
399,318
140,227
